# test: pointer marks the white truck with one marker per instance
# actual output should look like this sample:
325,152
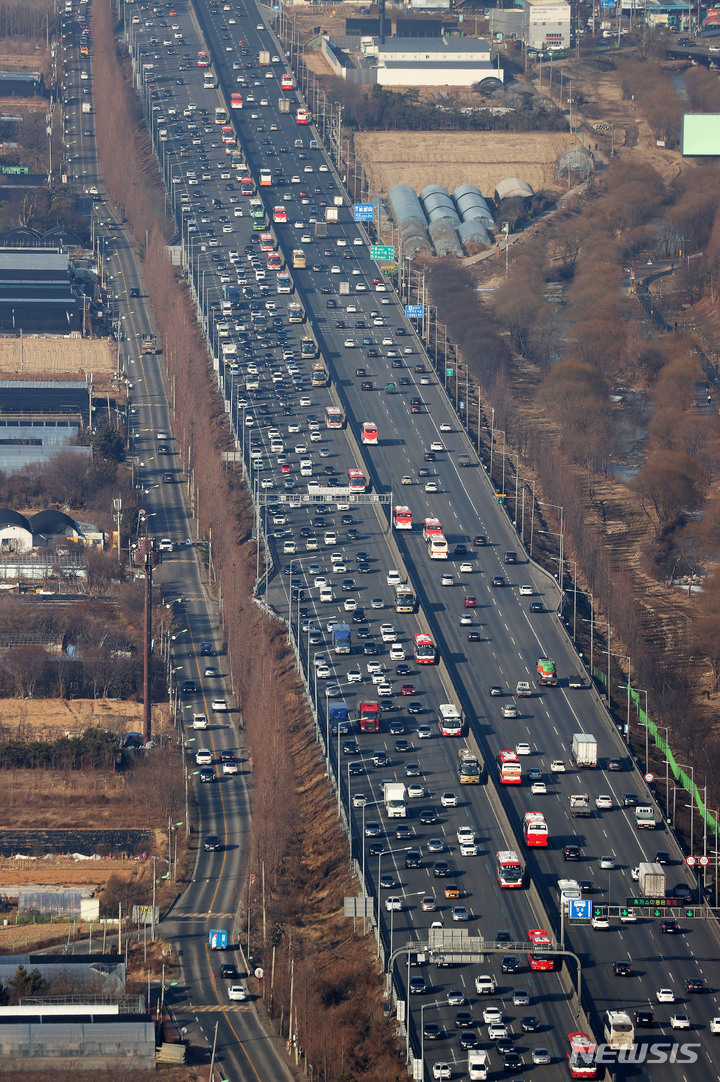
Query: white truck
651,880
478,1065
580,805
584,750
644,817
394,796
86,107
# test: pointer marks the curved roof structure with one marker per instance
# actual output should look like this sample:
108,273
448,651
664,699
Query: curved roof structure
444,236
513,188
474,231
410,217
13,518
577,158
51,521
472,205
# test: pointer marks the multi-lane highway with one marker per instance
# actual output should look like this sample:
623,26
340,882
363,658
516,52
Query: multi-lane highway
280,419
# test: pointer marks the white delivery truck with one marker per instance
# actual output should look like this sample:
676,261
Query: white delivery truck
394,795
478,1065
584,750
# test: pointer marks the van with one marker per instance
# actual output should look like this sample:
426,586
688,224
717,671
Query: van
306,467
330,537
326,593
199,721
289,548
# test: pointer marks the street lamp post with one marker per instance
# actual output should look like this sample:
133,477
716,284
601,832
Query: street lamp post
627,658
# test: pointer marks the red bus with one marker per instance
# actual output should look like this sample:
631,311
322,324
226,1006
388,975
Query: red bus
369,432
334,417
267,244
581,1056
357,481
236,101
287,82
302,116
246,186
508,869
402,517
227,134
509,767
369,717
279,214
423,649
541,957
535,830
274,262
203,60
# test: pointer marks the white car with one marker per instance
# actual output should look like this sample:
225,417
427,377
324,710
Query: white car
523,748
600,922
436,445
393,577
387,632
354,676
492,1016
431,486
497,1031
393,903
323,672
679,1021
359,800
665,995
349,604
374,667
203,757
468,849
416,791
166,545
397,652
635,874
384,690
230,767
466,568
526,591
715,1025
446,426
539,788
607,862
603,801
447,580
448,800
442,1070
237,992
406,479
557,766
465,834
220,706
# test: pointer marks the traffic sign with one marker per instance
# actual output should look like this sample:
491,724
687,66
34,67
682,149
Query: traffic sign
363,212
704,861
579,908
382,251
414,311
649,777
449,371
690,861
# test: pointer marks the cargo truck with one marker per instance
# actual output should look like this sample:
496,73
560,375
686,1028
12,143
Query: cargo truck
546,673
644,817
344,288
584,750
86,107
580,805
341,638
469,769
331,214
478,1065
217,939
264,58
283,105
651,880
394,796
321,229
339,716
149,343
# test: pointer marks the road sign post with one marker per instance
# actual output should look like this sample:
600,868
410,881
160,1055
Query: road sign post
363,212
382,251
414,311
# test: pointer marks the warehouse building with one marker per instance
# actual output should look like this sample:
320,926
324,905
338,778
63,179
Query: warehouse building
436,62
36,292
546,24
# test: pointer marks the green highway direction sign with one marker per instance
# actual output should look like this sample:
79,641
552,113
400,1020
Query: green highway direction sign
380,251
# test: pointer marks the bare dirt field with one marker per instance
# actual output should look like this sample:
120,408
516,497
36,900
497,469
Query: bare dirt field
60,871
451,158
50,718
35,357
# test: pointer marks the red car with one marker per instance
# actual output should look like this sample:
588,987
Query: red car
303,195
407,689
414,409
285,468
470,602
377,281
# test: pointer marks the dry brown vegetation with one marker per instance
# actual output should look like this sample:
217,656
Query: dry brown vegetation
40,357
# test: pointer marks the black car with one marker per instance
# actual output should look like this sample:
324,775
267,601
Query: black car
363,631
587,886
463,1020
480,539
380,759
432,1031
510,557
207,774
371,648
206,649
571,852
622,969
474,636
509,964
350,747
537,606
397,727
461,549
366,385
662,857
468,1040
413,859
355,769
630,800
418,986
512,1062
229,971
414,707
530,1024
441,868
189,687
669,927
211,843
615,764
498,580
358,616
403,832
429,456
695,985
375,848
644,1019
403,669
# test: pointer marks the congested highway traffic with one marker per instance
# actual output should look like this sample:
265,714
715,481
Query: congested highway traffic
336,560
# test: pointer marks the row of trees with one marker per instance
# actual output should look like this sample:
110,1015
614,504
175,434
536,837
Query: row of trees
94,750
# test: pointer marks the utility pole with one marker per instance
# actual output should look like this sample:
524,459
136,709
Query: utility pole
146,557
